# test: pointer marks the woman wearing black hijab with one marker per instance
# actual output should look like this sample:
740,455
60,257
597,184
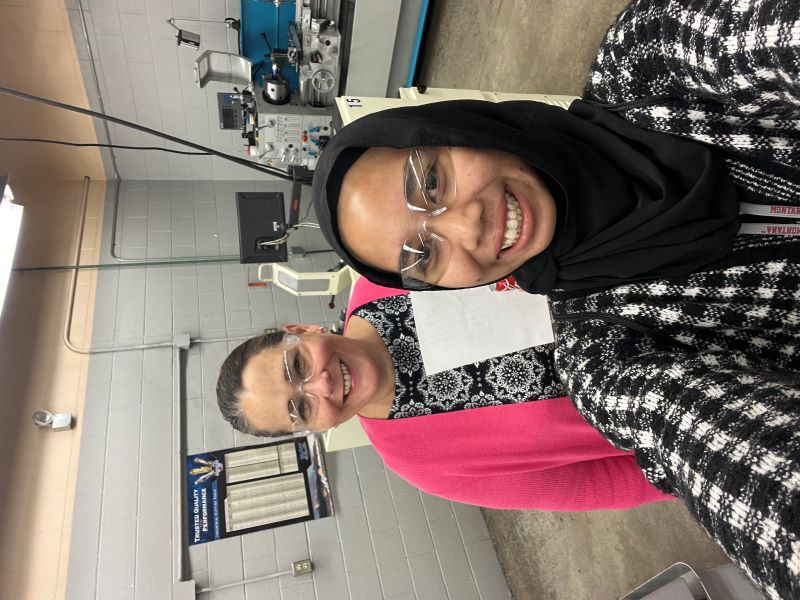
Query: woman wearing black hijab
671,261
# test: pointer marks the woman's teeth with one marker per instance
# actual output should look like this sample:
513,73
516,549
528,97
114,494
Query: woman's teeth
346,378
513,222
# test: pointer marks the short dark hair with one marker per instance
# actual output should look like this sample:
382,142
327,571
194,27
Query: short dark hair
229,384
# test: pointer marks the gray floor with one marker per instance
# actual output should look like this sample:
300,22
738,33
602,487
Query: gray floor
533,46
547,46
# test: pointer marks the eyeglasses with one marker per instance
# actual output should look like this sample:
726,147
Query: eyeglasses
298,370
429,187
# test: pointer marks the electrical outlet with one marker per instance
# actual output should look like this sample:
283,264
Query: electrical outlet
301,567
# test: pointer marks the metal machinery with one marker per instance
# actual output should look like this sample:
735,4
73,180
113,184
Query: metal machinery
316,53
288,128
294,134
285,136
291,136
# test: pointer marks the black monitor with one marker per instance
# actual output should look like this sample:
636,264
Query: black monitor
262,218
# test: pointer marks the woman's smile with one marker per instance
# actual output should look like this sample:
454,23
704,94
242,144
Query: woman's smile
347,381
519,223
513,219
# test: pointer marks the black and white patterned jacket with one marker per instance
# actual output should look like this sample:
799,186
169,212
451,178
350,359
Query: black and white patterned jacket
700,375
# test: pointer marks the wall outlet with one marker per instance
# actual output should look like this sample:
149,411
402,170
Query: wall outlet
301,567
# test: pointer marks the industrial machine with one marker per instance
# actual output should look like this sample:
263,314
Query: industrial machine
280,126
293,133
316,54
293,138
283,136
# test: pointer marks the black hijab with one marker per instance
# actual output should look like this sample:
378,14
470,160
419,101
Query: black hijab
631,204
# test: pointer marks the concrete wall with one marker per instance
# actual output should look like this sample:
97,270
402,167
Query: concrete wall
387,540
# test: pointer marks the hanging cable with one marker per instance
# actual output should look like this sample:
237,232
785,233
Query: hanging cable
85,111
305,216
90,145
285,236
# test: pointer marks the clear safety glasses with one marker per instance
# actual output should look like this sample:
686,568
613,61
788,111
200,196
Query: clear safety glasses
298,369
429,187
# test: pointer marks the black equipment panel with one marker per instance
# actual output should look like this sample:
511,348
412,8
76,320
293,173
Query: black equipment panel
230,111
262,218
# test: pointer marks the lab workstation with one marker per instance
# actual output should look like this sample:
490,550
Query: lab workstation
400,300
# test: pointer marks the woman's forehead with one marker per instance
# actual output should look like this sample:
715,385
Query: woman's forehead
372,212
374,163
263,387
264,366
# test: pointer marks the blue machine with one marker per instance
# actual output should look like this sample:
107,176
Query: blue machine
266,18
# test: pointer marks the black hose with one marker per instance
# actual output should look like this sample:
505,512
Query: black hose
85,111
93,145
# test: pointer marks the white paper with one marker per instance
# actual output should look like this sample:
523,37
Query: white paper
459,327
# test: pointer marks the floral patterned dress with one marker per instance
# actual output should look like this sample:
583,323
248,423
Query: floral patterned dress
521,376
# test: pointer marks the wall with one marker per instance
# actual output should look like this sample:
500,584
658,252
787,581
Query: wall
386,541
37,372
146,78
38,57
36,369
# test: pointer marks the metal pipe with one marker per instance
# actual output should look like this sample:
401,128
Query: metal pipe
74,284
172,20
156,261
243,582
227,339
67,335
177,468
76,259
123,265
97,87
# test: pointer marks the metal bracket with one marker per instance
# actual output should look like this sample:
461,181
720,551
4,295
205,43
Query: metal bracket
301,567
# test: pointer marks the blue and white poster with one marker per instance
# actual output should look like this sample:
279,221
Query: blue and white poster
239,490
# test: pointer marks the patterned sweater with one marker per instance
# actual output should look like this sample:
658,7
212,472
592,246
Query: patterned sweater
700,375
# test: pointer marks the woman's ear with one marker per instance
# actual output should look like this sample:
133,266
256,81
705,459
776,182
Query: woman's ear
300,328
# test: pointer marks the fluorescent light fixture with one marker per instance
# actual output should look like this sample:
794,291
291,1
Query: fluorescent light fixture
10,221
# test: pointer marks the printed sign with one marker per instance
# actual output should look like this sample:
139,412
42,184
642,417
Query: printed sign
239,490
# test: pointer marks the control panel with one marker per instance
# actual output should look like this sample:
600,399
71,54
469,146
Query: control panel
229,106
292,139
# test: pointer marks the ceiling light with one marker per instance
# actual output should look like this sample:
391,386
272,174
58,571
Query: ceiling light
10,221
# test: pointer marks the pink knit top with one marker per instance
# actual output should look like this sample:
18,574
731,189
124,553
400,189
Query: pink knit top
534,455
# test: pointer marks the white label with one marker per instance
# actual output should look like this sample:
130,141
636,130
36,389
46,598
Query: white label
459,327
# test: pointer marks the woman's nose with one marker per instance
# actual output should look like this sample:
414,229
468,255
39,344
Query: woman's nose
461,225
320,385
